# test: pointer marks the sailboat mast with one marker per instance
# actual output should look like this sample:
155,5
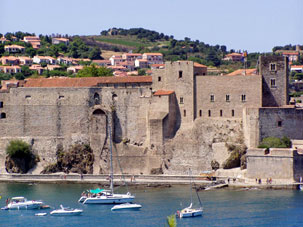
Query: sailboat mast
111,160
191,188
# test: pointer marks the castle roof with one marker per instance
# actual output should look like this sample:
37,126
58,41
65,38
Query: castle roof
199,65
85,81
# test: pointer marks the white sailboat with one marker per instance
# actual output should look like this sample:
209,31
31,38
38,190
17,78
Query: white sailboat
108,196
189,211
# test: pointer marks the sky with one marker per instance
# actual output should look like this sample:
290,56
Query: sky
253,25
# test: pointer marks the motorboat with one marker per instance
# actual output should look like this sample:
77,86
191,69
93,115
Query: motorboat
40,214
18,203
66,211
101,196
127,206
190,212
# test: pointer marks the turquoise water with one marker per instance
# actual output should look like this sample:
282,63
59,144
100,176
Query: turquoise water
221,207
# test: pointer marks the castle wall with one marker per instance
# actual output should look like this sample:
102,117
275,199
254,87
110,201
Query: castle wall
219,87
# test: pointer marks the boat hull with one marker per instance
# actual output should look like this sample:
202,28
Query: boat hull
66,213
127,207
108,200
26,206
191,214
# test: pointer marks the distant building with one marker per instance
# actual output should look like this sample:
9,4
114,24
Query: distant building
131,56
14,49
60,40
74,69
141,63
10,69
233,57
3,40
9,60
53,67
243,72
103,63
44,59
296,68
114,60
25,60
292,56
153,58
33,40
65,60
37,68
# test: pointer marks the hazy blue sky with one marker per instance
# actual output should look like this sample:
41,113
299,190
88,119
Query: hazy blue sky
255,25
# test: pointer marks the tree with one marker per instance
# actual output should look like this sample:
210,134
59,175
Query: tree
19,76
18,149
95,54
26,71
94,71
274,142
141,72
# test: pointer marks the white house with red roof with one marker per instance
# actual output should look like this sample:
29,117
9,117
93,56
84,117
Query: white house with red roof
44,59
131,56
115,59
233,57
33,40
292,56
24,60
10,69
141,63
296,68
60,40
9,60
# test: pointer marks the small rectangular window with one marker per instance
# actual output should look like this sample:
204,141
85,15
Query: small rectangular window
243,98
273,67
159,78
3,115
181,100
232,113
1,104
184,112
227,98
27,96
221,113
200,113
272,83
212,98
279,123
209,113
180,74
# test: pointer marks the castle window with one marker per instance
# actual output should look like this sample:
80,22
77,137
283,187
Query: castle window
96,98
3,115
181,100
272,83
279,123
159,78
200,113
227,98
273,67
232,113
180,74
27,96
1,104
209,113
221,113
243,98
61,96
184,113
212,98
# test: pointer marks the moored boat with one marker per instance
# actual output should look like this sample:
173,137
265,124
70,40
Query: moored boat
127,206
18,203
65,211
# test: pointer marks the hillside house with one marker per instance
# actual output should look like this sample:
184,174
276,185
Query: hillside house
38,68
25,60
296,68
115,59
33,40
141,63
292,56
44,59
103,63
74,69
10,69
233,57
153,58
3,40
9,60
65,60
14,49
131,57
60,40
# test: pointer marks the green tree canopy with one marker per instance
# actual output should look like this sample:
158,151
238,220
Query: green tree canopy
93,71
18,149
274,142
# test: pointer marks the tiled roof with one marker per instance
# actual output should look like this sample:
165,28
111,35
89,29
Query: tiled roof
163,92
247,72
85,82
199,65
291,53
296,66
234,54
13,46
62,39
159,54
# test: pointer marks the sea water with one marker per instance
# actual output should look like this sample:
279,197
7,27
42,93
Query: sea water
223,207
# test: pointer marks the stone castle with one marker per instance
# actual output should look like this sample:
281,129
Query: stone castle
177,118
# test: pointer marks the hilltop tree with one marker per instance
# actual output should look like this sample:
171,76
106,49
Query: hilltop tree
95,54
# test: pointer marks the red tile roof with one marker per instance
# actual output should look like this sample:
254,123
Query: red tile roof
85,82
199,65
159,54
248,72
163,92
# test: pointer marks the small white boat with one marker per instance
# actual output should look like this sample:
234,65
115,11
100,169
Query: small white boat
128,206
40,214
18,203
65,211
190,212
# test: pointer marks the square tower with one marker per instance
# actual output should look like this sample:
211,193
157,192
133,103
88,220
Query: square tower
274,71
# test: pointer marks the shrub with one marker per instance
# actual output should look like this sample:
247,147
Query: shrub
215,165
18,149
274,142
